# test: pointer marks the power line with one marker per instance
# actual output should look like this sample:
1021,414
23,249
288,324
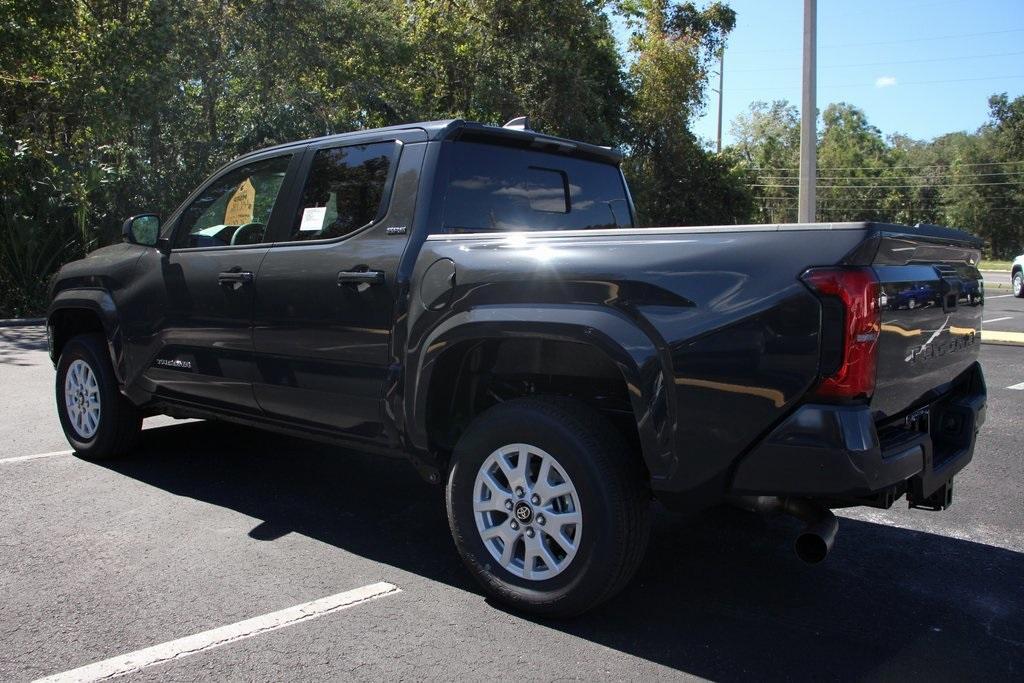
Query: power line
874,168
899,41
876,187
872,85
880,209
888,63
878,202
881,204
903,176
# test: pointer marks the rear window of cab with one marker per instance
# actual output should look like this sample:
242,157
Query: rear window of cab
496,188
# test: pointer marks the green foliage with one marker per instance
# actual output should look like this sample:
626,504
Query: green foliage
767,148
492,60
115,107
974,181
674,180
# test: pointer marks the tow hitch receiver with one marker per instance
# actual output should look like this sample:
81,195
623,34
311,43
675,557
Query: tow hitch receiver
940,499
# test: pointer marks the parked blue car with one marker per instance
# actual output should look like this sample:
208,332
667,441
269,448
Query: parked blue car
917,295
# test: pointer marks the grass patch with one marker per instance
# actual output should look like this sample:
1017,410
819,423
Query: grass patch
995,265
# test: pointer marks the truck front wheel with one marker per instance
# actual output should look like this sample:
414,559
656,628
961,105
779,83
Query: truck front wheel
98,421
547,506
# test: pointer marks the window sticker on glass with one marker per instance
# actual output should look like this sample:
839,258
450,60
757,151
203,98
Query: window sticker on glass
344,190
313,218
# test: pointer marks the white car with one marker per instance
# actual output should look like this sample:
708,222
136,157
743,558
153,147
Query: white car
1017,276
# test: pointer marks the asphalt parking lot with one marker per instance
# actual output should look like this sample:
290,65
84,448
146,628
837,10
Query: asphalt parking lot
211,525
1004,312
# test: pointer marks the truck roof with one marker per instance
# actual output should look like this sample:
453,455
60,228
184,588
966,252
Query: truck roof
446,129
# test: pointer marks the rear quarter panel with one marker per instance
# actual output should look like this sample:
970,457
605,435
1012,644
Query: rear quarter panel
733,333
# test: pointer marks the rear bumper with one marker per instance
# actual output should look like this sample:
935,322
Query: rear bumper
838,454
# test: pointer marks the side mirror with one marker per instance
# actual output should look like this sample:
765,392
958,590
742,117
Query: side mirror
142,229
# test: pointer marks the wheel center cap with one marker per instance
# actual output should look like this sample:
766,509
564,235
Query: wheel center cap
523,512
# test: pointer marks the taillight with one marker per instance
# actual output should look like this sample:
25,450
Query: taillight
853,293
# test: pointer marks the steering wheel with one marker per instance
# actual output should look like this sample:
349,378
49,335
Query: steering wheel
250,233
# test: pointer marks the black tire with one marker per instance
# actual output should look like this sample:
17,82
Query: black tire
1018,284
613,493
119,421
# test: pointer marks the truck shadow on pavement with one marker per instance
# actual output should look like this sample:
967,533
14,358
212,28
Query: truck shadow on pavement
18,339
720,595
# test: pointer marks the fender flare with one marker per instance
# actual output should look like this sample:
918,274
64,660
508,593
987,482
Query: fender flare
99,302
620,339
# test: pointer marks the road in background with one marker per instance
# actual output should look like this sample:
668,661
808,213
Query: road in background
209,525
1004,313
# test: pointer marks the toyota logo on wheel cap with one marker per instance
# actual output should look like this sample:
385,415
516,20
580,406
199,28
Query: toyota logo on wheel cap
523,512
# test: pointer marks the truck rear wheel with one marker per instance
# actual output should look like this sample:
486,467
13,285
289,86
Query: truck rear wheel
98,421
547,506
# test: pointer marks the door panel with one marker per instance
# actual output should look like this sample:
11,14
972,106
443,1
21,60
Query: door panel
323,343
205,349
197,301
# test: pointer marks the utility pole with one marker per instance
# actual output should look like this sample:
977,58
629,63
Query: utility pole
809,116
721,77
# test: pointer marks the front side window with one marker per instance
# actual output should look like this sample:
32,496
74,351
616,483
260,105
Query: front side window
344,191
497,188
235,208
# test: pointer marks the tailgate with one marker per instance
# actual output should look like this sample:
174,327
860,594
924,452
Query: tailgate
931,309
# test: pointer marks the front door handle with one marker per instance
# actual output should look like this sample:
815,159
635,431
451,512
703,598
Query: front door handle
233,277
369,277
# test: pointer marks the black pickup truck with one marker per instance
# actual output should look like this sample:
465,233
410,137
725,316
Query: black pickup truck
479,300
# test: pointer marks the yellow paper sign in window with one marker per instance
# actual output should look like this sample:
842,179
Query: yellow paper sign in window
240,206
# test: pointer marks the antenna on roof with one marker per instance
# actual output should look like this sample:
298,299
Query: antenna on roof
519,123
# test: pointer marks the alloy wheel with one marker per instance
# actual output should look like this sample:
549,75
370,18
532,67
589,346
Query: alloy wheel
527,511
82,399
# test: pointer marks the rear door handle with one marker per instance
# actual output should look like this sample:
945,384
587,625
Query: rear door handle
232,277
370,277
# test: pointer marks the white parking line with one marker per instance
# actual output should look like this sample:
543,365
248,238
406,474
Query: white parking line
996,320
1019,387
21,458
223,635
998,296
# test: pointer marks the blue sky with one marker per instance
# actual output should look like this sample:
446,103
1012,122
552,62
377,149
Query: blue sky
919,67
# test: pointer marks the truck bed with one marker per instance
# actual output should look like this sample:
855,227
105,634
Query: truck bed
737,333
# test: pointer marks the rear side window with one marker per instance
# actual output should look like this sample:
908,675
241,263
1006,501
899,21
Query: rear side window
496,188
344,191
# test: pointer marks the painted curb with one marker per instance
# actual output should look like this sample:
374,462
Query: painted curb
1003,338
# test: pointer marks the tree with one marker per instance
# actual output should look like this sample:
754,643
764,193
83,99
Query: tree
767,154
986,193
968,180
493,60
852,158
112,107
674,180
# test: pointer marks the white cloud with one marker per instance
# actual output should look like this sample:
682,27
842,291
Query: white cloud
885,81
